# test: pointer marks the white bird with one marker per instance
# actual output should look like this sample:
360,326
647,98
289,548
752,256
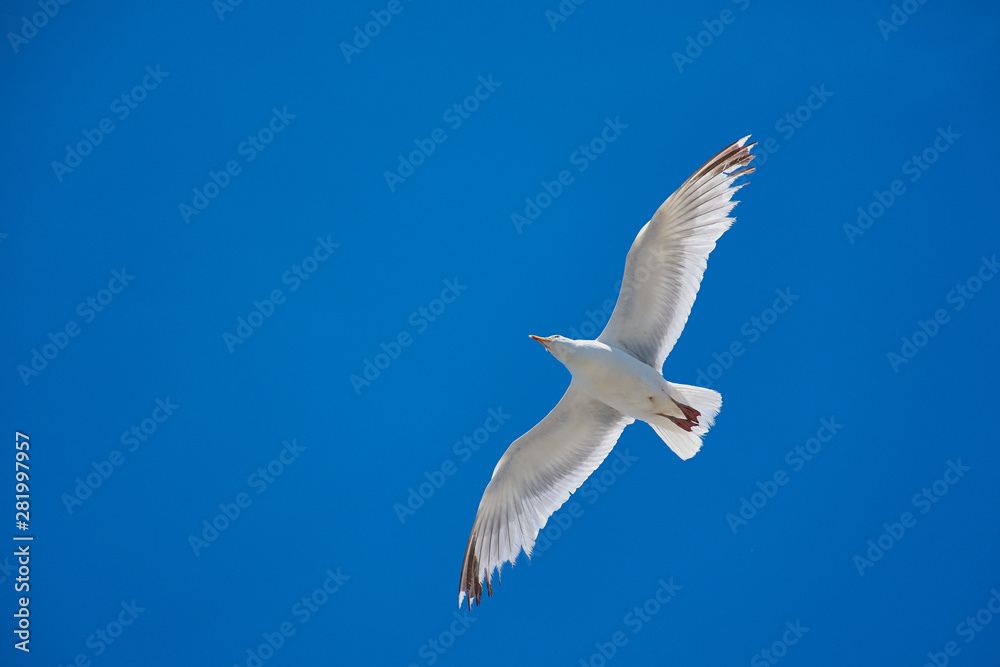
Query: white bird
616,378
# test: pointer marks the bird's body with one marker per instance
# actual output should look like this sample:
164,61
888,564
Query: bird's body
616,379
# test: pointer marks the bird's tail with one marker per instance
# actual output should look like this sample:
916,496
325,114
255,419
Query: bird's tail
699,407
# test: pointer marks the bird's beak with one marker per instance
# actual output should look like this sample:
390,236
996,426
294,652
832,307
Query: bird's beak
541,340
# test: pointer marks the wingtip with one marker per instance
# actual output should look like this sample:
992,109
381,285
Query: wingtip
746,148
469,585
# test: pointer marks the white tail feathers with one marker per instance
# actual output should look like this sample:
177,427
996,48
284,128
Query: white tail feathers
685,442
706,401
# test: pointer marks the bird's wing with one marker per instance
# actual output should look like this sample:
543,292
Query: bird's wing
533,479
665,264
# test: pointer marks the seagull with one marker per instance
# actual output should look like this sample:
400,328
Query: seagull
616,379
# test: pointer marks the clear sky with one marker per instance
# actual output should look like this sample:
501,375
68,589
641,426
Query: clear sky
269,272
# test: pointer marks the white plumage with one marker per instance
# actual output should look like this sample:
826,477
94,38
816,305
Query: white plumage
616,378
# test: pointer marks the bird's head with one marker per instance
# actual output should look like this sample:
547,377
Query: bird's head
559,346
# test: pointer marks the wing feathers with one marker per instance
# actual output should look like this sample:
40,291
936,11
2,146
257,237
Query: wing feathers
665,264
533,479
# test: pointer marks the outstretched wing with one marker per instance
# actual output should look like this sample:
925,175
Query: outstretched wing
533,479
665,265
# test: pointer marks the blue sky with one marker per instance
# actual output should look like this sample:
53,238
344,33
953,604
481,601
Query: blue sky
268,282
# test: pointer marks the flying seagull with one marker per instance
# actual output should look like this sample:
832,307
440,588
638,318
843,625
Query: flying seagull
616,378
